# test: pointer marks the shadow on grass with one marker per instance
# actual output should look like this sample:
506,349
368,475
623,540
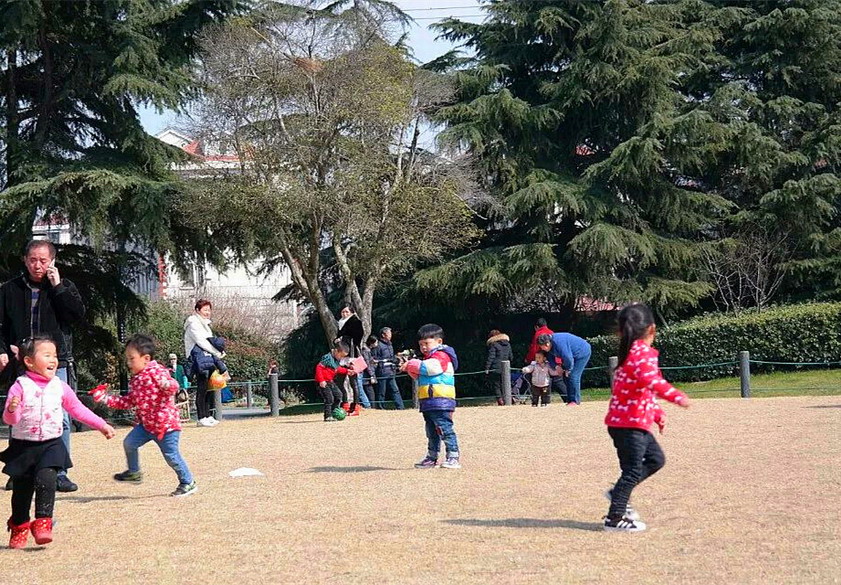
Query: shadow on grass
526,523
358,469
824,406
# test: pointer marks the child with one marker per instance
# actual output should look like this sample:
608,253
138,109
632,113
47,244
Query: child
151,393
541,372
632,411
36,452
437,395
329,373
204,363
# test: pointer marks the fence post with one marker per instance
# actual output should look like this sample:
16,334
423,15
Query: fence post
415,401
744,372
612,363
274,399
217,403
249,395
506,382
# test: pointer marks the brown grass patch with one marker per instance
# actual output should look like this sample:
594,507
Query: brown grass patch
749,494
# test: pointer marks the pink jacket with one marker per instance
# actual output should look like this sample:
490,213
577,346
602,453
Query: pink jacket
38,417
151,394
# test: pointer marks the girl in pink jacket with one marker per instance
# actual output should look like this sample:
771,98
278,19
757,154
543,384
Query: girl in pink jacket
36,452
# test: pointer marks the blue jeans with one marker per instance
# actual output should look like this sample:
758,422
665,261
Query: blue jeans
574,380
61,373
391,383
139,436
363,398
439,427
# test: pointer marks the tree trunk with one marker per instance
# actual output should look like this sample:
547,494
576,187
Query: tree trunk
12,122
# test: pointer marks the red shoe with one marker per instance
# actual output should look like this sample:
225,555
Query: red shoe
345,406
355,411
572,404
20,534
42,530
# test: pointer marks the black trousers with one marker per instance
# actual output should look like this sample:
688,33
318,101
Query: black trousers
332,397
203,397
640,457
539,393
42,484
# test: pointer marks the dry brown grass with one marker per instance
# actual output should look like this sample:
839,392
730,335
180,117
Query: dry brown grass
750,494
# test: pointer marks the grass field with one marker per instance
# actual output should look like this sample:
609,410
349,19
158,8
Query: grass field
749,495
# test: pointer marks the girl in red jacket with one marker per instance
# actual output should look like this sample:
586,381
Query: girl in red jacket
632,411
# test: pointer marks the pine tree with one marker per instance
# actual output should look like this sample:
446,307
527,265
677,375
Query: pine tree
623,140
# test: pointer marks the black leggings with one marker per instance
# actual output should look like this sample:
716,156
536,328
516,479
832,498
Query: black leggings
202,395
640,457
43,486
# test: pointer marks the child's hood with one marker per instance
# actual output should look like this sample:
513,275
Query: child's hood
502,339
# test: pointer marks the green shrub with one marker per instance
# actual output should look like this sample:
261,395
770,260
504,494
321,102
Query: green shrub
795,333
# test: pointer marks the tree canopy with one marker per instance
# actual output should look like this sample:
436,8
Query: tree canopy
626,141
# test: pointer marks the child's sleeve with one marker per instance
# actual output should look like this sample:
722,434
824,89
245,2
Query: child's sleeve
648,373
100,394
220,365
529,368
167,384
79,411
13,418
435,365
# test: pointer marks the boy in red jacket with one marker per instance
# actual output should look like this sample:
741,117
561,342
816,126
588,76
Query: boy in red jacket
328,374
152,395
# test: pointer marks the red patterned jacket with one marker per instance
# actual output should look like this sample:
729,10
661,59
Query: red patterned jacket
151,394
635,384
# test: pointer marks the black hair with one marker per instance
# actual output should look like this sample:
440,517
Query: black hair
32,244
143,344
540,323
634,321
544,338
29,346
540,352
371,341
341,345
430,331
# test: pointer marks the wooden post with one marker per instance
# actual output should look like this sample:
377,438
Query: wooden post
506,382
249,395
744,373
217,404
274,399
612,363
415,400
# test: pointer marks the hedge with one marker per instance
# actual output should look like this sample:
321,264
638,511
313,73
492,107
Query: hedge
794,333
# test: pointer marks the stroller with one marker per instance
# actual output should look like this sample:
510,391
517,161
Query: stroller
520,388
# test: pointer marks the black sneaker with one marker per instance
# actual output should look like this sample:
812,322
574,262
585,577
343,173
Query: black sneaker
129,476
63,484
623,524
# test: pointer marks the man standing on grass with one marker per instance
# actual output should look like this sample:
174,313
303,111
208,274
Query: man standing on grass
40,302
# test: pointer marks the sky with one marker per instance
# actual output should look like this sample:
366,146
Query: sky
422,40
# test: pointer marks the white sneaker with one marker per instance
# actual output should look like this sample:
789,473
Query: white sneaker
623,524
212,421
204,422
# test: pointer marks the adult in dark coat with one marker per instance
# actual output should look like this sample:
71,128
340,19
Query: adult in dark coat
40,301
351,331
499,350
386,361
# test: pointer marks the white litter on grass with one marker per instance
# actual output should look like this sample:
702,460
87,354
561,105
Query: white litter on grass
244,472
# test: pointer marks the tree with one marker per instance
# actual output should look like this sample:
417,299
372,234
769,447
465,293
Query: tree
334,184
620,137
72,146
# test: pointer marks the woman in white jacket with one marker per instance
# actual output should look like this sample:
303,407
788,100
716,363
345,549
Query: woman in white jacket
196,332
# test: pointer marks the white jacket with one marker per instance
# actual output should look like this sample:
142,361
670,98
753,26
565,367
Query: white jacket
196,332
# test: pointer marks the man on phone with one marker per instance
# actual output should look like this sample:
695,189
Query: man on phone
37,302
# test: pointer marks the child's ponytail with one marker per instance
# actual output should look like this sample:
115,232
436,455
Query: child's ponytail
634,321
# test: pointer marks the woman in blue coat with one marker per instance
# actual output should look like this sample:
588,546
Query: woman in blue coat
574,353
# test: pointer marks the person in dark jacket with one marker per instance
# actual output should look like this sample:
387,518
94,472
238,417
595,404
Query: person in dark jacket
40,301
383,354
499,350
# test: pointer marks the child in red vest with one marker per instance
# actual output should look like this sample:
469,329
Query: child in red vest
633,409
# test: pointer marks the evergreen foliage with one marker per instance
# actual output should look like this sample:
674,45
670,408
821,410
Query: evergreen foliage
635,139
